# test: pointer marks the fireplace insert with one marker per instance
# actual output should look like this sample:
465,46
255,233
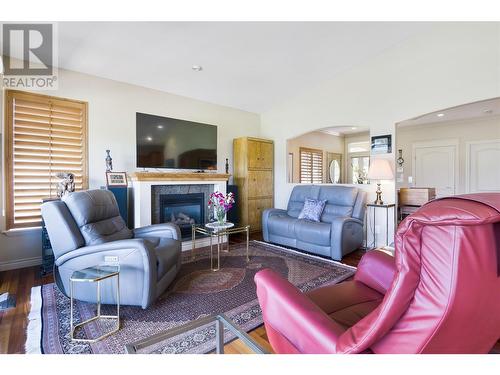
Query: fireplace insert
183,210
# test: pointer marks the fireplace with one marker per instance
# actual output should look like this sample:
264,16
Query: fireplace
190,200
183,210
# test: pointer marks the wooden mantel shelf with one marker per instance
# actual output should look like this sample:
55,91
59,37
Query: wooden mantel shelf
173,176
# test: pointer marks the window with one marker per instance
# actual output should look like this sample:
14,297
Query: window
311,166
359,168
358,147
44,136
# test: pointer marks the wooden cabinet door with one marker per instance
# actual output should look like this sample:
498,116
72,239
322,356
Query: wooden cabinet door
255,209
260,184
266,155
253,154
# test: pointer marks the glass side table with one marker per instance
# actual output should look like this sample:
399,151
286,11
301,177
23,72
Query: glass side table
371,209
218,231
95,274
221,322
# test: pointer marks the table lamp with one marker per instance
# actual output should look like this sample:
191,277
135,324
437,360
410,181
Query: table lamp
380,169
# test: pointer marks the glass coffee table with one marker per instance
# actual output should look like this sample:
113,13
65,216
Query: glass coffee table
222,324
220,232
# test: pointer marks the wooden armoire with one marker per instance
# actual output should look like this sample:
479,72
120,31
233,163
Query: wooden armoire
254,174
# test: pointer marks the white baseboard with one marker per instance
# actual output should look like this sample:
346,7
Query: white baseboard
20,263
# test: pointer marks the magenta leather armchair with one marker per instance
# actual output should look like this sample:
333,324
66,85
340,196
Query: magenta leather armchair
439,294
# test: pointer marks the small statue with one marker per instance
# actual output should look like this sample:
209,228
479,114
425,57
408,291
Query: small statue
227,166
109,162
66,185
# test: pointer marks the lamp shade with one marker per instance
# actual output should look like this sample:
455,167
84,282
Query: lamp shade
380,169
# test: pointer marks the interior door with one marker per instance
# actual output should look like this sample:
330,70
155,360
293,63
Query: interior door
483,173
435,166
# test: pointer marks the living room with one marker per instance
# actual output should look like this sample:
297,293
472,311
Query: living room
174,193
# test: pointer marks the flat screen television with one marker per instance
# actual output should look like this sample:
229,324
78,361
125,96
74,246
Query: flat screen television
164,142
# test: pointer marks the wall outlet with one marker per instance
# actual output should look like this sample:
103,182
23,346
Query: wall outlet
111,259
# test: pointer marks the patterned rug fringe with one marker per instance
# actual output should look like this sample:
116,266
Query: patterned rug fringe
34,330
304,254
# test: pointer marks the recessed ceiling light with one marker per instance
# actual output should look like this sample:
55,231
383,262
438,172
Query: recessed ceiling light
159,126
149,139
353,128
440,115
197,68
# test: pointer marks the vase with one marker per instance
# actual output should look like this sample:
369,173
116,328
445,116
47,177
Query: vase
220,213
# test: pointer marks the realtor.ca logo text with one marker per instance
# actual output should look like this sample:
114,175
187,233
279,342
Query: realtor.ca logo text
28,56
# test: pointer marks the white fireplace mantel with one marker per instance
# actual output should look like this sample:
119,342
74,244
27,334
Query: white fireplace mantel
143,181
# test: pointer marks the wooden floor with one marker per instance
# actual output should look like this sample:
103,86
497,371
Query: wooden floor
13,322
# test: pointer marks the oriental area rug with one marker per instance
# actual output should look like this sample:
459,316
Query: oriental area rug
196,292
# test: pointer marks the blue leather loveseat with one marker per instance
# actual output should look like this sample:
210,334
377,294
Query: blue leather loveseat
339,232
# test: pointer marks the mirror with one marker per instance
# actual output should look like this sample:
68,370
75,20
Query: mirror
334,155
334,169
334,172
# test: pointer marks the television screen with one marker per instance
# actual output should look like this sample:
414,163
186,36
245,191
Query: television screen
164,142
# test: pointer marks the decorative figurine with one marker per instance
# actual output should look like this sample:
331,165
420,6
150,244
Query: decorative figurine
227,166
66,185
109,162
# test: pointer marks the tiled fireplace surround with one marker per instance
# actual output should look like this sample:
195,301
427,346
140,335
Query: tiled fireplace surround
147,189
158,190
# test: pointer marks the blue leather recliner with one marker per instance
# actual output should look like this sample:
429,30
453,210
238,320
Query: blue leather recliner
86,226
339,232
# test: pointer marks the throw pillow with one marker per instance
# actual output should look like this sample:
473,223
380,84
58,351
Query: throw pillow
313,208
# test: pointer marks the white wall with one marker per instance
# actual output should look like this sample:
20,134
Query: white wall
479,129
452,64
112,106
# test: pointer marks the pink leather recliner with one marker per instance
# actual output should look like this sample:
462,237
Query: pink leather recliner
440,294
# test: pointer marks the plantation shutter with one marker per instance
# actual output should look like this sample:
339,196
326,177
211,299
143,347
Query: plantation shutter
45,135
311,166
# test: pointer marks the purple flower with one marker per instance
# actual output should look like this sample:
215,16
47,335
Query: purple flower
218,200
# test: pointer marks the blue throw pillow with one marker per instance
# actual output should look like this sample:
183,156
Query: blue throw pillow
313,208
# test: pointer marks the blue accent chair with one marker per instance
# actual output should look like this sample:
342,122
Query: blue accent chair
85,228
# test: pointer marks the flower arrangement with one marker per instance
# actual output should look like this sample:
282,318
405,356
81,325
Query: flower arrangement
221,204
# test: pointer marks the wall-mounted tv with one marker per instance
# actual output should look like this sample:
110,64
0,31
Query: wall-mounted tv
164,142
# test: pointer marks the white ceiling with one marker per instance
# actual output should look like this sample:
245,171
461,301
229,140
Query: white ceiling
344,130
246,65
481,109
